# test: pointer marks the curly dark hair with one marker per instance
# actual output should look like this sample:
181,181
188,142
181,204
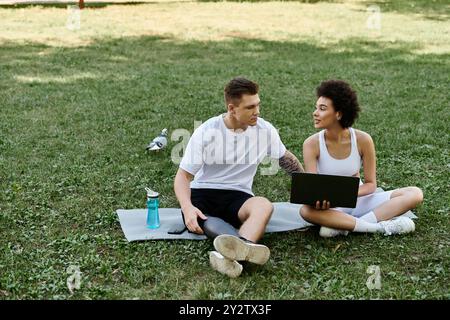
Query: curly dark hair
344,100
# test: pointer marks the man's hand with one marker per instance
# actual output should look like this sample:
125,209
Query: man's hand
183,193
190,218
325,205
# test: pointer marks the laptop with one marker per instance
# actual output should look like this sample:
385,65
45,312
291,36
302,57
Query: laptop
341,191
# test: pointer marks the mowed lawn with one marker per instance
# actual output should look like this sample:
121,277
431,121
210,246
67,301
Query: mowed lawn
78,107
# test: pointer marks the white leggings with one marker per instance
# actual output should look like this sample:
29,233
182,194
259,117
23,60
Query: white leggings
367,203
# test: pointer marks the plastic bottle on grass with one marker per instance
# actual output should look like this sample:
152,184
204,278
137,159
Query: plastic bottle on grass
152,209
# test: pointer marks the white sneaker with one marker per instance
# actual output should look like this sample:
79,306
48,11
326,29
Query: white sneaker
235,248
326,232
225,266
398,225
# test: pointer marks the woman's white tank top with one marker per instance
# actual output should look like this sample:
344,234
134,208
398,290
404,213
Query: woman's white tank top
349,166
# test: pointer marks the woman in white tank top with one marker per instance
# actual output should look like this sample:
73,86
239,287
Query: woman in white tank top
338,149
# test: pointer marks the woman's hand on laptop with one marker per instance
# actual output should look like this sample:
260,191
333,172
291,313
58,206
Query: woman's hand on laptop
325,205
190,216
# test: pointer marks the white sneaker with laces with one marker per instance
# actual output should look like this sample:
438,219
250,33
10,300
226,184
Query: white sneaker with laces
225,266
326,232
234,248
400,225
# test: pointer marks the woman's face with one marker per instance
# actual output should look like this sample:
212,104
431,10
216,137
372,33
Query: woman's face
324,114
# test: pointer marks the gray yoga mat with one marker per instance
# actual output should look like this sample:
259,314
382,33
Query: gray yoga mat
285,217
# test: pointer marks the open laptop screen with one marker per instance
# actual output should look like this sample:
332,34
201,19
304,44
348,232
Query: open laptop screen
341,191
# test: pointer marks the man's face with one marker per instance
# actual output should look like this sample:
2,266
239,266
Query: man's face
247,112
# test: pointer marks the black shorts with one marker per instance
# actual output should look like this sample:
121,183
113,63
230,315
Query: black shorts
224,204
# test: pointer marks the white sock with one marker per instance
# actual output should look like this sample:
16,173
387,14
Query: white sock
369,217
364,226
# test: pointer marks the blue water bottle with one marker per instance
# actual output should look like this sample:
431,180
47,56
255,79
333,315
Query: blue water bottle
152,209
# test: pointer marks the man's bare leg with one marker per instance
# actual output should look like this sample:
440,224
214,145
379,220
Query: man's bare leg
255,214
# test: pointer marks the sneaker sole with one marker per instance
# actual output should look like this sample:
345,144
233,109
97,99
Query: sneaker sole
412,226
234,248
231,268
325,232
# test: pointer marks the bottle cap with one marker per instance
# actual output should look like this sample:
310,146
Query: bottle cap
151,193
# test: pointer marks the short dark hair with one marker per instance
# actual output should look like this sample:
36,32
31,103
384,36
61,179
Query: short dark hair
344,100
237,87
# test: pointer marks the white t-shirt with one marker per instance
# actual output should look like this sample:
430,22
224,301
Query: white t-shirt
221,158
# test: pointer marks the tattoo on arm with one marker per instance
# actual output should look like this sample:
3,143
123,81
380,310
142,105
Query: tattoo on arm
290,163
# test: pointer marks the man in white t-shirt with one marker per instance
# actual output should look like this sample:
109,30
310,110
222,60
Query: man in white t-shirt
214,181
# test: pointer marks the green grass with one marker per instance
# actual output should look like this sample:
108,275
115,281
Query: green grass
78,111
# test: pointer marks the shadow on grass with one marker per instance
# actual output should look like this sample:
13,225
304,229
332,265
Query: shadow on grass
430,9
438,10
75,123
434,10
142,84
301,1
162,68
87,4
